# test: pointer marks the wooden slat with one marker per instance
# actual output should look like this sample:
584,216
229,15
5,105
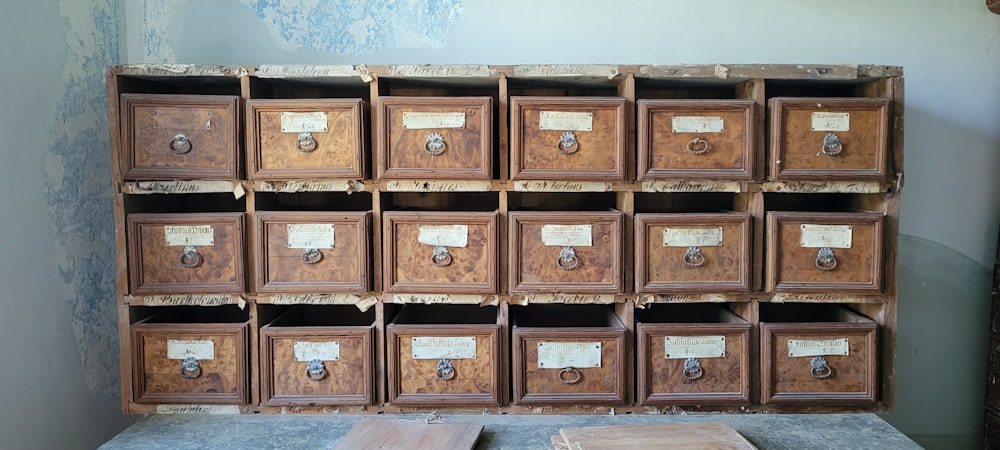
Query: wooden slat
714,435
387,434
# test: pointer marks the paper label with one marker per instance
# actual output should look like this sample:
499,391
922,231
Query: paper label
436,186
833,236
692,237
197,409
302,122
818,347
566,121
439,347
828,121
184,235
559,355
582,299
444,235
306,351
682,347
691,186
425,120
562,186
199,350
310,235
189,299
697,124
567,235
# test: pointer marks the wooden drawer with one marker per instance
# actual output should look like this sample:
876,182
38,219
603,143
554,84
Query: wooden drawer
444,355
692,252
186,253
701,139
179,136
824,251
311,139
828,138
318,356
198,363
439,252
568,355
565,251
825,354
435,138
692,354
312,252
567,138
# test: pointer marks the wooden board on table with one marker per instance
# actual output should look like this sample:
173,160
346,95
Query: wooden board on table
715,435
387,434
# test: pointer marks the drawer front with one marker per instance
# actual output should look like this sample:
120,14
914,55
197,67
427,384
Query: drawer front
316,365
813,138
548,252
567,138
692,252
549,380
440,364
716,372
186,253
306,138
810,252
435,137
696,139
312,252
820,371
446,252
179,136
189,363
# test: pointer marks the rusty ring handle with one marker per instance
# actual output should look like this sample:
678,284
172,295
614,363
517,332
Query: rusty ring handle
567,259
315,370
190,258
692,369
567,143
832,145
180,145
826,260
693,257
441,257
434,144
311,255
572,371
819,368
306,143
190,369
445,370
698,146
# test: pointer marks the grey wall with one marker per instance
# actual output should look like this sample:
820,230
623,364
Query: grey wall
59,380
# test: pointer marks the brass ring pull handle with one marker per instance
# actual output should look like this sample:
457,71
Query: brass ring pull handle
826,260
567,143
315,370
190,258
180,145
693,257
692,369
441,257
819,368
435,145
570,371
311,255
567,259
306,142
445,370
698,146
832,145
190,369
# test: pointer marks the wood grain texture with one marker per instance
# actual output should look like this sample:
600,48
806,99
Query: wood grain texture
348,381
388,434
673,436
539,386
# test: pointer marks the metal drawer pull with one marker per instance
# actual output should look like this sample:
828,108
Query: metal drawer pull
567,143
832,145
190,258
180,145
567,259
825,259
190,369
445,370
315,370
693,257
306,142
819,368
698,146
572,371
692,369
441,257
311,255
435,144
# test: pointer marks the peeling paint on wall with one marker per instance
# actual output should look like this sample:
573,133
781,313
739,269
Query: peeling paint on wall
78,188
